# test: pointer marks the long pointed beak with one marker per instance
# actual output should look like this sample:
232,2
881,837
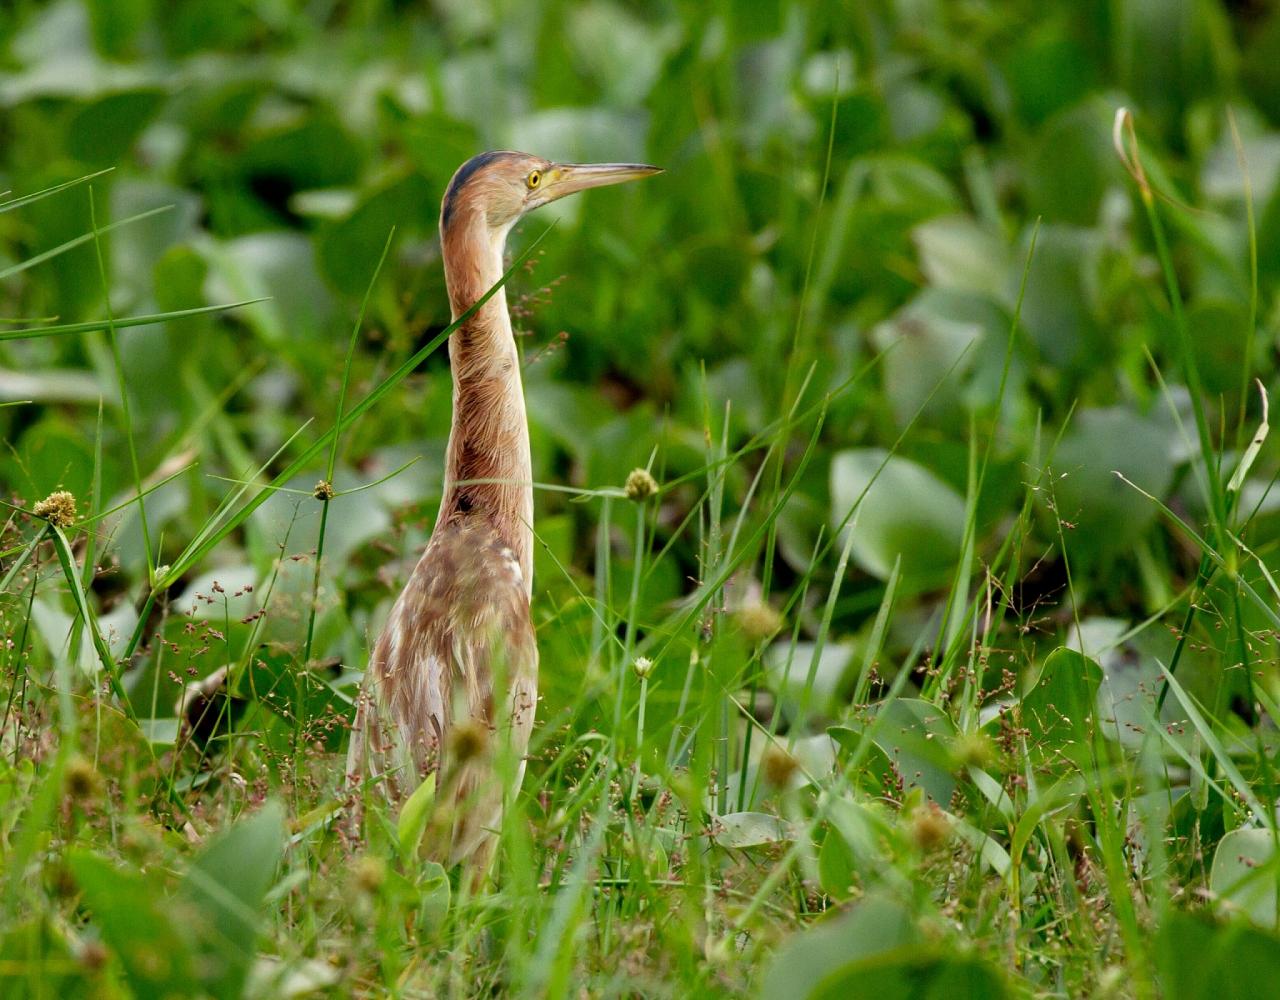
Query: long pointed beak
570,178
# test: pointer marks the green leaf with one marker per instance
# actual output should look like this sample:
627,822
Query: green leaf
161,732
103,132
909,974
750,829
1102,513
1244,873
903,509
434,896
226,885
415,812
875,925
1203,960
957,252
916,738
1059,708
836,862
150,938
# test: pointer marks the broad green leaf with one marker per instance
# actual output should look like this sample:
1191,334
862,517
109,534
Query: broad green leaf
434,896
836,865
1244,874
750,829
162,732
151,938
226,885
1101,513
877,924
916,738
906,512
1059,708
1203,960
414,814
958,252
913,974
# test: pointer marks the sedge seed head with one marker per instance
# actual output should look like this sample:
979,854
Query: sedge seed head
369,873
80,779
324,490
640,485
58,508
468,740
759,621
778,765
642,666
928,827
974,750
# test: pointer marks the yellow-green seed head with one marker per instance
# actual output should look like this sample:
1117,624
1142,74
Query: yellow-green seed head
640,485
58,508
759,621
777,765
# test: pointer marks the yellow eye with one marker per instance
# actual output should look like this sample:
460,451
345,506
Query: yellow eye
534,179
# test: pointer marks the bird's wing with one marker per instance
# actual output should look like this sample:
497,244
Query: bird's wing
459,632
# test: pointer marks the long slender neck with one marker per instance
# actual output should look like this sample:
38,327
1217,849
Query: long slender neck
488,471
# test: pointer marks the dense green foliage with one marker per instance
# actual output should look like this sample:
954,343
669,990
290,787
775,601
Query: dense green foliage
942,663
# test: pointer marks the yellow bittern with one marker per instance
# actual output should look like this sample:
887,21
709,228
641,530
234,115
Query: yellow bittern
456,667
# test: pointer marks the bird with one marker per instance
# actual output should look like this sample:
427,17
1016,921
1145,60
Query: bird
452,680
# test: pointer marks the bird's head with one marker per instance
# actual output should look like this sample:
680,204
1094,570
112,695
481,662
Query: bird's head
499,187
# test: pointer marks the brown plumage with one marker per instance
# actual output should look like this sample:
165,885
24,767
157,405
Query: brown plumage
452,680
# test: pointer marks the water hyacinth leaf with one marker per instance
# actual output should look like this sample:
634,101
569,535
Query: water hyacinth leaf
279,269
1103,512
876,925
935,338
1170,52
957,252
415,812
876,950
866,828
1058,312
1203,960
349,250
299,697
904,512
789,668
622,52
153,945
161,732
102,132
1244,873
916,739
1072,165
909,974
1059,708
226,885
434,896
836,865
750,829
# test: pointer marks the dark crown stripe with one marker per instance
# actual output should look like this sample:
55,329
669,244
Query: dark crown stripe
464,174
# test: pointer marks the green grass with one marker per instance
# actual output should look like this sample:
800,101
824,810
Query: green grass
942,660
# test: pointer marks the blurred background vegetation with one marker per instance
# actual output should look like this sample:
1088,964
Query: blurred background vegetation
852,195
